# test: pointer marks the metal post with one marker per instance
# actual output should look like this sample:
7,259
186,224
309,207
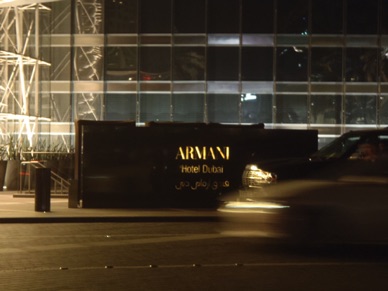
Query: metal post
42,189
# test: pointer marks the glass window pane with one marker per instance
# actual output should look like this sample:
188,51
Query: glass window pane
327,16
60,62
256,108
384,17
88,106
154,107
88,63
292,16
60,24
155,16
223,108
120,16
190,16
120,107
63,103
121,63
291,108
384,110
223,16
155,63
291,64
326,109
360,109
362,17
326,64
361,65
223,63
188,107
384,64
189,63
256,64
257,16
88,17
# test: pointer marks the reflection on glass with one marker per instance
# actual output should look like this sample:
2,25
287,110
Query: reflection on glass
327,16
223,108
257,16
155,107
223,63
326,64
256,108
88,63
360,109
383,73
256,64
88,106
63,102
189,63
383,109
188,107
292,16
60,64
120,107
291,64
291,108
155,63
362,17
189,16
223,16
120,63
88,17
326,109
60,24
361,64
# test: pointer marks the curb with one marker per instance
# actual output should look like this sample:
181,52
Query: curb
101,219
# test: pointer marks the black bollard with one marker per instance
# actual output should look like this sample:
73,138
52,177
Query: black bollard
42,189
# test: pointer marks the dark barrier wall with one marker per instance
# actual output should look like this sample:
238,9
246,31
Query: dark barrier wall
172,164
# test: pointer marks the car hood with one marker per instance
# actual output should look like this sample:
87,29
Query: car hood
289,168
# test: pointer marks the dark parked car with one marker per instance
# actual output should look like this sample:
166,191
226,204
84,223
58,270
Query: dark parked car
339,194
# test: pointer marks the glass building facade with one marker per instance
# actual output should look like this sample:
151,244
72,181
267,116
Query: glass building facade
297,64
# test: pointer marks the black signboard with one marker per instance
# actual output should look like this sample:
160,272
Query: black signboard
171,164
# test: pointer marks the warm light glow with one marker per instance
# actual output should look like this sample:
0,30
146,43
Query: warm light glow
255,204
254,176
251,206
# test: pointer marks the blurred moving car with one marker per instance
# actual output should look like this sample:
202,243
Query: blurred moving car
354,145
339,194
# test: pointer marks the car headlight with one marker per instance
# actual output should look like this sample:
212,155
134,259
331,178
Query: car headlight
253,176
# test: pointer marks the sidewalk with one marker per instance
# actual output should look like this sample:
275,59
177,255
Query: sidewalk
16,208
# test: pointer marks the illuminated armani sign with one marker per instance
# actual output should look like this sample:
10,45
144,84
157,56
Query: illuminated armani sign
203,153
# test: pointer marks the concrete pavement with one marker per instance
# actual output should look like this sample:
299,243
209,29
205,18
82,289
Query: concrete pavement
18,208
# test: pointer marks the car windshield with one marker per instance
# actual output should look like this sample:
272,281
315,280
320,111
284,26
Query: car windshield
340,147
352,144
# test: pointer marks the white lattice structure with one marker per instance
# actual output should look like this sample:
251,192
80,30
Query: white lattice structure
21,69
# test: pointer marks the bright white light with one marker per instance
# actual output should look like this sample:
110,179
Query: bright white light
251,207
252,167
297,50
248,96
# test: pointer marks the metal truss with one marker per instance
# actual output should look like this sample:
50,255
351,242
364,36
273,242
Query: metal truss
24,111
20,71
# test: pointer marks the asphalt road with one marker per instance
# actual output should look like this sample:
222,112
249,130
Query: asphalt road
175,256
